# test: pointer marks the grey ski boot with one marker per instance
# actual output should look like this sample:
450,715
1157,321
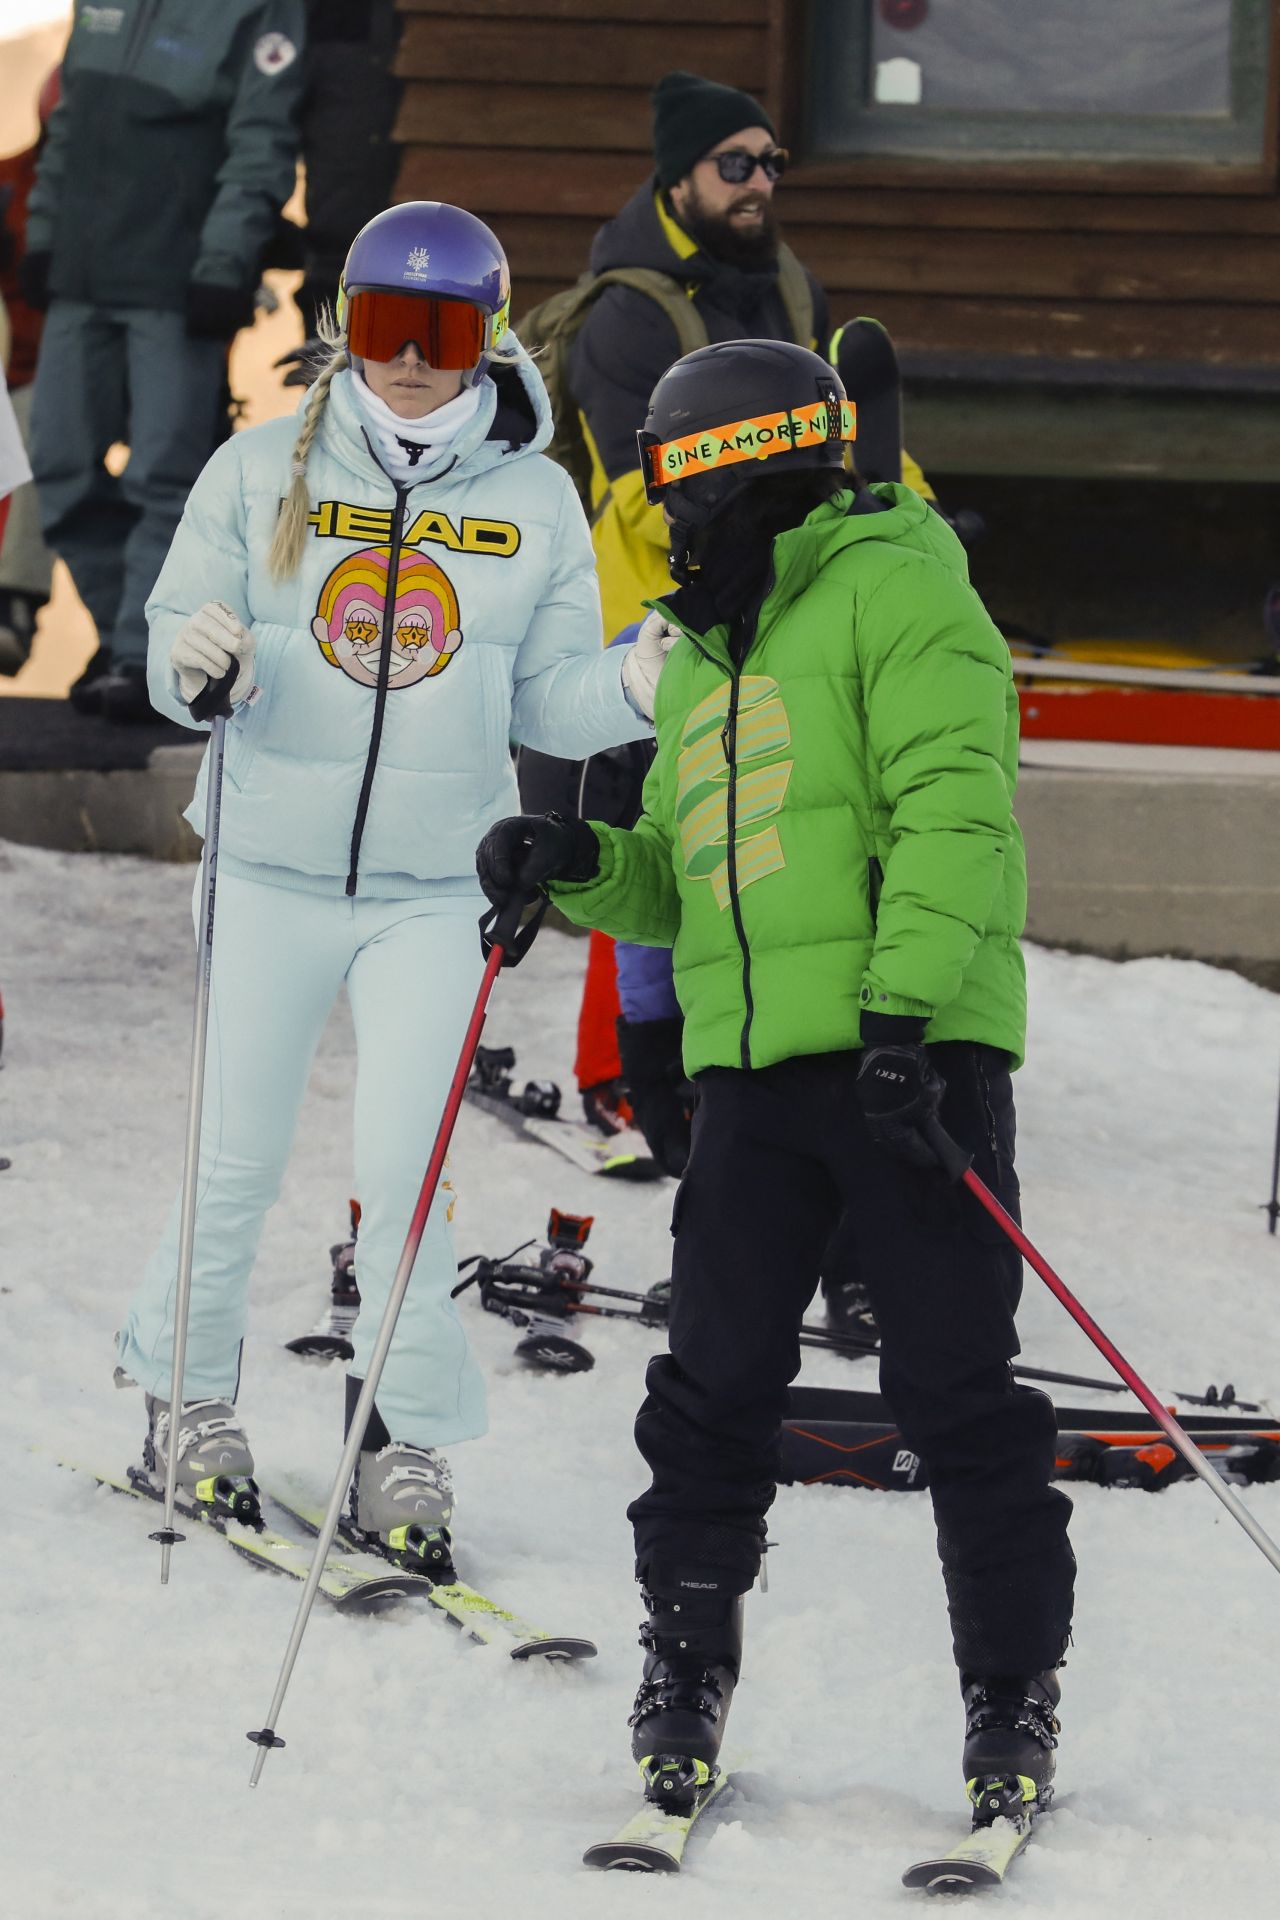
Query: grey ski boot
215,1463
401,1506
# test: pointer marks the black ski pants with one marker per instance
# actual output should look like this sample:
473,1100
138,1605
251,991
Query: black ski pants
779,1155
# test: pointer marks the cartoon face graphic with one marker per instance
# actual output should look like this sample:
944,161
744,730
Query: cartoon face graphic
351,613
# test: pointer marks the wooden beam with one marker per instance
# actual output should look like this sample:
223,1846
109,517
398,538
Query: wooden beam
1123,436
728,13
492,182
915,210
585,119
1137,330
575,54
1093,267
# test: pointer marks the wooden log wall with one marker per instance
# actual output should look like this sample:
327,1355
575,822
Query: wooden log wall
535,114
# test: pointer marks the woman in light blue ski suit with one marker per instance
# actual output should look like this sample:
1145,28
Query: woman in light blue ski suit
425,593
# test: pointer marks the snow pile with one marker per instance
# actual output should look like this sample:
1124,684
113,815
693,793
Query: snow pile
420,1771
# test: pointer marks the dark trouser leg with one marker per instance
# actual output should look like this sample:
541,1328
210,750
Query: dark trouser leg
78,413
752,1218
945,1283
175,400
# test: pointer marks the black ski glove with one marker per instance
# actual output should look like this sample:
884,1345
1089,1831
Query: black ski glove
898,1087
531,848
217,313
33,279
661,1098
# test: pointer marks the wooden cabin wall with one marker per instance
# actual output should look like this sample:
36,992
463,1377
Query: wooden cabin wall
535,114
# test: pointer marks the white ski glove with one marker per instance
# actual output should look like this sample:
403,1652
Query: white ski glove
205,647
643,662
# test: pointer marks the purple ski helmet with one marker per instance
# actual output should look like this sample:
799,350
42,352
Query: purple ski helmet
432,273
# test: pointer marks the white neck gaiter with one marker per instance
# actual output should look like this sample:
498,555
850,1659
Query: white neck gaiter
408,447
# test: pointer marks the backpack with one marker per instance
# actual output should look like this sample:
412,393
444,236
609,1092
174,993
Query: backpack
549,330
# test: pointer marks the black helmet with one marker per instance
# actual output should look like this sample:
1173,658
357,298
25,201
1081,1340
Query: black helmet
718,413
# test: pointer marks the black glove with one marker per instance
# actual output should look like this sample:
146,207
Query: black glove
217,313
530,848
33,280
898,1087
661,1098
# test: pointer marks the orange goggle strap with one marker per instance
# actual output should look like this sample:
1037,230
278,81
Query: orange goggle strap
450,334
769,433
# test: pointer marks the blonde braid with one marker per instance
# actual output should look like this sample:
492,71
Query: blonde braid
291,527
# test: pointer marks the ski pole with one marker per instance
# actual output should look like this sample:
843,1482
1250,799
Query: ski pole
1272,1206
212,702
505,943
958,1165
827,1339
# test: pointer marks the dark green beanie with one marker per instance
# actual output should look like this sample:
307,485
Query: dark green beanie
691,115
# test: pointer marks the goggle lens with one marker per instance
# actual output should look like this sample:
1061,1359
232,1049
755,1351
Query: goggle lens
450,334
736,166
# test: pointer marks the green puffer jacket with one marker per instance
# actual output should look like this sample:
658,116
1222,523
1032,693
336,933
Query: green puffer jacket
831,827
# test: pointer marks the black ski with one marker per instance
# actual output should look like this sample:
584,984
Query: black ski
868,365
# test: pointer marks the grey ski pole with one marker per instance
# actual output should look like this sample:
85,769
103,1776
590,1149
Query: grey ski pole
505,943
1272,1207
214,700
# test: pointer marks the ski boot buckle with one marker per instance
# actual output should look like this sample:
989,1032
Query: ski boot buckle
674,1781
1007,1796
425,1550
235,1496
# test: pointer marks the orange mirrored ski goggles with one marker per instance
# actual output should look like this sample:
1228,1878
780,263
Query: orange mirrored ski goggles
666,461
450,334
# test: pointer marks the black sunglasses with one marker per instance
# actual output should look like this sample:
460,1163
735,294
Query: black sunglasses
736,164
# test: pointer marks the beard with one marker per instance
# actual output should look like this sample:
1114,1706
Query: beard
754,251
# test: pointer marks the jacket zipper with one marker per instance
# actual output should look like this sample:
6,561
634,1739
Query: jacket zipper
729,739
143,20
985,1087
384,677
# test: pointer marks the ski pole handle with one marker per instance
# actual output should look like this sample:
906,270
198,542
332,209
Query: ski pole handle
952,1158
500,926
214,698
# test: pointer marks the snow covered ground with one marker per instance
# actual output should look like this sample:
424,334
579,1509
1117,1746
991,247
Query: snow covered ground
425,1775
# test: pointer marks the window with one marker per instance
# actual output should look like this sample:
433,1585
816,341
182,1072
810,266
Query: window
1181,80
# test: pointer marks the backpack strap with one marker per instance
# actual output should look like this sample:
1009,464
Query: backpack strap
797,297
668,293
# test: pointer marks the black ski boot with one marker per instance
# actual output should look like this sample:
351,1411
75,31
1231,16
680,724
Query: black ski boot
693,1651
1010,1743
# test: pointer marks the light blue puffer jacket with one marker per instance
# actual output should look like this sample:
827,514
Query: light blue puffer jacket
495,613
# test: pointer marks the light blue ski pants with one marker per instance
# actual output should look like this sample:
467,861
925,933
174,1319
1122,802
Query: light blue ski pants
412,969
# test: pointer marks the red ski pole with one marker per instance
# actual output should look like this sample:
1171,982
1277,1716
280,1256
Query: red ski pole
957,1163
505,943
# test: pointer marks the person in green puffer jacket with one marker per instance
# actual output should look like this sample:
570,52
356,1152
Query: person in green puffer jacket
828,844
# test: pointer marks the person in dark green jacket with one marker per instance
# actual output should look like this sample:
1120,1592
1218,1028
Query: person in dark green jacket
828,844
167,160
